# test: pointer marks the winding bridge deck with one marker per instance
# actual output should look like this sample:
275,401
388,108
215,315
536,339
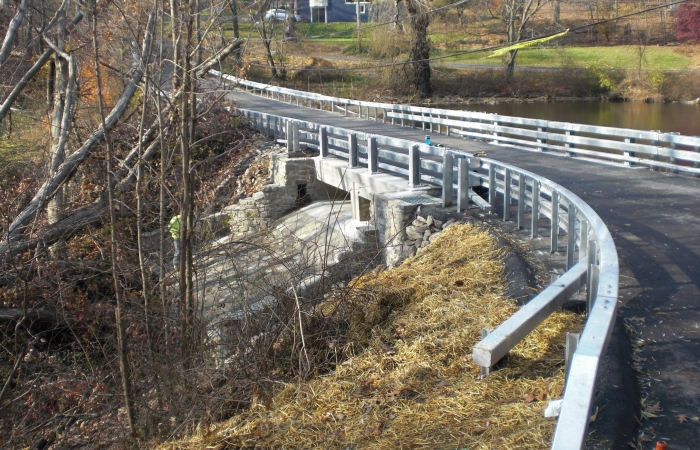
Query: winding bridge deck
654,219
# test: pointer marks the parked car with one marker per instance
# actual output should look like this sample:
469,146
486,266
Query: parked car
279,15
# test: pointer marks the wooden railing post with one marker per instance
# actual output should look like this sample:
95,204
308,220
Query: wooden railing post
568,144
506,196
323,141
352,149
492,184
629,163
372,155
521,200
414,166
462,183
534,229
542,142
554,223
571,237
447,161
295,136
290,136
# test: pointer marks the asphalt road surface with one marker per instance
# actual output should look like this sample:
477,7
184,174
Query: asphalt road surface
654,219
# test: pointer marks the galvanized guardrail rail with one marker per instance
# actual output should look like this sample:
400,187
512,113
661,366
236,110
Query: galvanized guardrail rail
653,149
536,203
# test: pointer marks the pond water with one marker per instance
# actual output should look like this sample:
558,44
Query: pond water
670,117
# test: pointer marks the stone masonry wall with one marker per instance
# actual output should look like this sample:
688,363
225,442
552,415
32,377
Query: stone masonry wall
293,184
403,229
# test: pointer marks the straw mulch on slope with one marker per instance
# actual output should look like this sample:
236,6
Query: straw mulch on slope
414,384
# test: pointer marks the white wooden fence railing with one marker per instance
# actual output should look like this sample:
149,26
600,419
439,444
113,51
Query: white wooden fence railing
653,149
536,203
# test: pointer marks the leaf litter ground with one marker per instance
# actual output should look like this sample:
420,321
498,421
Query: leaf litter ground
414,385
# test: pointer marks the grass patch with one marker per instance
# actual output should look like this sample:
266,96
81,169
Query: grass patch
413,384
618,57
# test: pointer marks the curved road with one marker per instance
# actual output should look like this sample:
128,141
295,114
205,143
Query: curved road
655,221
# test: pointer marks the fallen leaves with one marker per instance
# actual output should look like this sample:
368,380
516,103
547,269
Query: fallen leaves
650,411
529,398
682,418
594,416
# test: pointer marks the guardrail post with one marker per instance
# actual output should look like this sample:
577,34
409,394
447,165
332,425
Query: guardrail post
372,155
485,371
583,240
542,143
492,185
673,160
571,344
323,141
534,229
568,144
447,182
462,183
346,109
554,221
260,124
591,276
297,100
375,114
295,136
629,163
290,137
506,196
268,127
496,133
431,123
352,150
393,119
655,143
571,237
521,201
384,115
332,107
414,166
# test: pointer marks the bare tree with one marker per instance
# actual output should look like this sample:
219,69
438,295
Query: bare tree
516,15
420,46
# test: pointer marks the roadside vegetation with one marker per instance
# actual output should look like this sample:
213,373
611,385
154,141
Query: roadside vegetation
409,381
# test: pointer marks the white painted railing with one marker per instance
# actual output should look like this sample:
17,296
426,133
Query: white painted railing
536,203
652,149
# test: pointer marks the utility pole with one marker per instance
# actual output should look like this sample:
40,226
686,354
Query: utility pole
359,29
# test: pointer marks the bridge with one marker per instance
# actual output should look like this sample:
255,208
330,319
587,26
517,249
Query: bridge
630,232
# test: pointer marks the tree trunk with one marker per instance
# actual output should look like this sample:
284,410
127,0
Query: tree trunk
60,109
510,65
420,49
124,366
12,31
234,17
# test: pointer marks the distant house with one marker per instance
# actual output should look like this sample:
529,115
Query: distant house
326,11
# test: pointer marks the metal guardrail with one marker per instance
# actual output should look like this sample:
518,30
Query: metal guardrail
653,149
536,203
